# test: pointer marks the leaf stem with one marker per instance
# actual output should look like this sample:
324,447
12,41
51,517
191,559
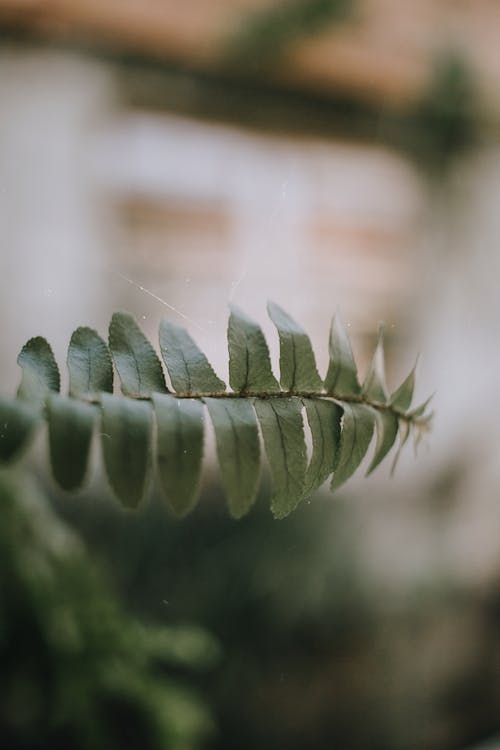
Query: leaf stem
421,420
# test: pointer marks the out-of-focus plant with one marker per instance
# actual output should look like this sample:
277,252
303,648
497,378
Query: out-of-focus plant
264,34
445,120
76,671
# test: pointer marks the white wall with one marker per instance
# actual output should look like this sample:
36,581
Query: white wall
51,228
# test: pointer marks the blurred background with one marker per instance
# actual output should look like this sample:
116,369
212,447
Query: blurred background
166,158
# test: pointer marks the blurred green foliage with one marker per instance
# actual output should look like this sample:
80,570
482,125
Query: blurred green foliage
264,34
77,671
319,651
446,117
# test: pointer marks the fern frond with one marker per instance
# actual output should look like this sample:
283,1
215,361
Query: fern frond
148,420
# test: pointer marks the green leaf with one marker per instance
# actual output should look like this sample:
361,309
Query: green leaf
324,418
17,421
238,450
71,423
126,442
180,450
419,411
283,431
249,362
387,429
89,364
357,432
135,359
189,369
374,387
298,370
404,434
40,371
342,376
402,397
255,398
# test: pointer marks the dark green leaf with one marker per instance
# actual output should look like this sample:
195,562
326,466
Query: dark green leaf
298,370
17,421
238,450
249,363
387,429
189,369
40,371
374,386
126,441
180,450
70,431
342,375
135,359
89,364
357,432
283,431
324,419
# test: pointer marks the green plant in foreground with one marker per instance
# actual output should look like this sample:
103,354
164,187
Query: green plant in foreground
341,413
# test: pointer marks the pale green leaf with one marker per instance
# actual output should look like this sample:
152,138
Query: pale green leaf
419,411
189,369
249,362
374,387
386,423
89,364
17,421
357,432
298,370
417,439
324,418
402,397
404,434
283,432
238,450
180,450
135,359
40,372
342,375
126,441
71,424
